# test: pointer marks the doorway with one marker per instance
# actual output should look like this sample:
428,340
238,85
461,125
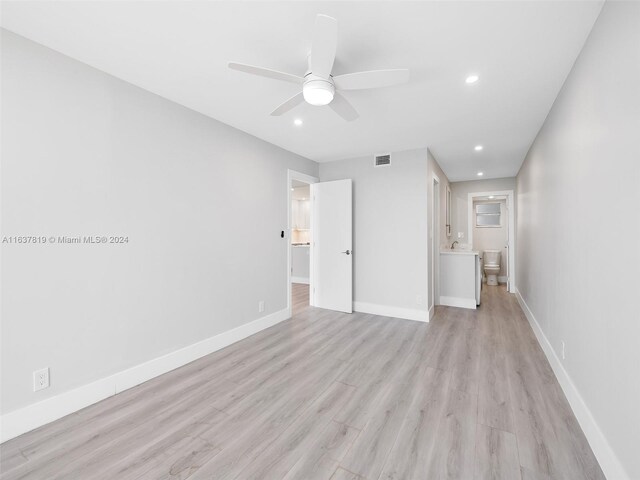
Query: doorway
299,240
491,227
434,253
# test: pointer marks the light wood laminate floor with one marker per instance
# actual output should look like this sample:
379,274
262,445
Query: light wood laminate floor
327,395
299,297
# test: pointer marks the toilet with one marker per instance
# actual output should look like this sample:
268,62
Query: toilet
492,265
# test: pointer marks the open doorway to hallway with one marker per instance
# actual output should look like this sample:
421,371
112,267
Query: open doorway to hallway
299,236
300,222
320,246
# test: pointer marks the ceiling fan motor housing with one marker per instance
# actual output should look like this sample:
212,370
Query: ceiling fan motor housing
317,90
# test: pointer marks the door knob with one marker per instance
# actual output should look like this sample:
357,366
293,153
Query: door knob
347,252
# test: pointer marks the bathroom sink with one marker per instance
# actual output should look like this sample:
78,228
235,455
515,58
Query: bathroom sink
459,251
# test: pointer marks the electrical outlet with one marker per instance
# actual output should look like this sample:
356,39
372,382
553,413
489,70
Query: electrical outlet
563,349
41,379
261,306
419,300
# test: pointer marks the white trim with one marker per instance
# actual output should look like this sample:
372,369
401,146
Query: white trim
304,280
458,302
432,312
435,240
447,211
302,177
35,415
511,274
390,311
607,458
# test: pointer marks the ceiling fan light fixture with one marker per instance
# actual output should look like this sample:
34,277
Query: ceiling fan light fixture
318,92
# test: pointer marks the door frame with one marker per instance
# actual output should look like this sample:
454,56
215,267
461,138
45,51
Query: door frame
301,177
511,231
435,244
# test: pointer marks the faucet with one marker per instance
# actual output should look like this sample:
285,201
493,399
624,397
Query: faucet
454,244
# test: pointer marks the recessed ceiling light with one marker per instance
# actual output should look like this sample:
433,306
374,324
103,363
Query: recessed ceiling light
297,122
477,148
490,196
480,174
292,189
472,79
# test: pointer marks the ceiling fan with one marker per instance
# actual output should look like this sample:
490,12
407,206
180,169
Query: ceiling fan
319,87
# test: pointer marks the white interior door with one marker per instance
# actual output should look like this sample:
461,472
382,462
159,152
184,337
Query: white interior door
331,246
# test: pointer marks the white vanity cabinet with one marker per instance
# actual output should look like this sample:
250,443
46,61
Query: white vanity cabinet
460,278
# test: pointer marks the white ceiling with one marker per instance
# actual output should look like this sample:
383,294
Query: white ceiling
521,50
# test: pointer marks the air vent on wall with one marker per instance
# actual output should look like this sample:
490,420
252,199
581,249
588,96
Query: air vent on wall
383,160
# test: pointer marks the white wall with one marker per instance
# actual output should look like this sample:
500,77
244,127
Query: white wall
390,228
460,201
579,188
493,238
202,204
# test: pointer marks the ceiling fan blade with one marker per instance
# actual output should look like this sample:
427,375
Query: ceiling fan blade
266,72
342,107
323,48
371,79
294,101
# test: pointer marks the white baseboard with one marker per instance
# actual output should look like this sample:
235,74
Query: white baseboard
304,280
607,458
35,415
390,311
458,302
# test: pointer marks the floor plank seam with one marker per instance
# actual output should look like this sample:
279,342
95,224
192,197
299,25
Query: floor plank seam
349,471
